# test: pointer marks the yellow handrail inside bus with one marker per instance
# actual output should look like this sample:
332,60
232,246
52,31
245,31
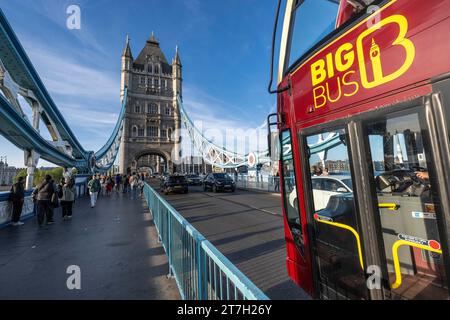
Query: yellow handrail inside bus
395,247
390,206
346,227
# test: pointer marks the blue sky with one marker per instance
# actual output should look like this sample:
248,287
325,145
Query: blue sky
224,47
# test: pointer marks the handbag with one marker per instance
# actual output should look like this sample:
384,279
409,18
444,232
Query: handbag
55,200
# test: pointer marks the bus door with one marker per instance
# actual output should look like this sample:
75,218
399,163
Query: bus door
337,244
407,206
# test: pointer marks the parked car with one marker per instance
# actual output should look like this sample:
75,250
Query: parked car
174,183
194,180
324,187
219,182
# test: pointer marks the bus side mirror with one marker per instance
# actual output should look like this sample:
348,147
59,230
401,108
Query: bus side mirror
342,190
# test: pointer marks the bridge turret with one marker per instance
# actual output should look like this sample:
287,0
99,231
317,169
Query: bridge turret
127,65
177,74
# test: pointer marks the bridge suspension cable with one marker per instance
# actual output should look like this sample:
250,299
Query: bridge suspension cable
213,154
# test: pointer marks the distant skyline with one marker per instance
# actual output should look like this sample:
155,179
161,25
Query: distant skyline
224,48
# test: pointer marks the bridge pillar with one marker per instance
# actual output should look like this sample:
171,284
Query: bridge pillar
31,162
32,157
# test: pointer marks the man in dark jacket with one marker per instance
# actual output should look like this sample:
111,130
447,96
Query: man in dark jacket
43,195
17,198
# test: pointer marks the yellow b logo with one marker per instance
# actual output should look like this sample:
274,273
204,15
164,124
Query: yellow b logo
378,77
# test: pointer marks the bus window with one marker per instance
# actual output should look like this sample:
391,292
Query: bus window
407,207
318,13
290,190
337,239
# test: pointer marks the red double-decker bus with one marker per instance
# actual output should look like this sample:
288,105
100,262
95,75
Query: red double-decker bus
363,117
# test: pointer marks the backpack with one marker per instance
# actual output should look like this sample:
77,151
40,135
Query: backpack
60,192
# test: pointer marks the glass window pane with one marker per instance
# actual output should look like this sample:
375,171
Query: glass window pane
407,207
290,190
313,20
337,237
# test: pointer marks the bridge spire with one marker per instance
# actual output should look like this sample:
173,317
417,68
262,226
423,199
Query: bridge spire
177,60
127,51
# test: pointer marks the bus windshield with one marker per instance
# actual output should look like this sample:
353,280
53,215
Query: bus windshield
318,13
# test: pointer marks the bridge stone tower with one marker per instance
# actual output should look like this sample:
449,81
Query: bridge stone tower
152,117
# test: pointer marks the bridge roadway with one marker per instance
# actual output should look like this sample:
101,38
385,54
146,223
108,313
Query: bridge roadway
114,244
247,227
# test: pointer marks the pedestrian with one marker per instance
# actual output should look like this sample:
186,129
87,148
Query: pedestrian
141,185
133,182
109,185
94,188
318,171
69,193
67,175
103,185
118,182
17,197
43,195
277,181
125,184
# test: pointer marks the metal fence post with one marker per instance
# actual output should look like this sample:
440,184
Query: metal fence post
201,290
169,244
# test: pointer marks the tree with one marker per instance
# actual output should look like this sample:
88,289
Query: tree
22,173
39,175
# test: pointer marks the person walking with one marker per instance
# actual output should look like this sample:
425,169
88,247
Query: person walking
277,181
43,194
134,185
69,193
17,197
141,185
125,184
118,182
94,188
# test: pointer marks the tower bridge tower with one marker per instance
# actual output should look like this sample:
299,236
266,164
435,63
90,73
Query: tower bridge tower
152,117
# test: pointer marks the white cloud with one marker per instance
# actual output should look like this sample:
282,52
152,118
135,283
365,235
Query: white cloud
66,77
213,117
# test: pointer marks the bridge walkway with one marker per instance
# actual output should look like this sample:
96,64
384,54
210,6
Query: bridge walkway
115,245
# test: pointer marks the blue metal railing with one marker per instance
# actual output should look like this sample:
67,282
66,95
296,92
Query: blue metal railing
200,270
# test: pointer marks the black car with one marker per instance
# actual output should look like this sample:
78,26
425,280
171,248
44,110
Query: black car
194,180
219,182
174,183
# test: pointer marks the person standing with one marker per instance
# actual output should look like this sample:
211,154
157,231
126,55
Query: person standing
109,185
43,195
17,198
125,184
68,198
133,182
118,182
277,181
94,188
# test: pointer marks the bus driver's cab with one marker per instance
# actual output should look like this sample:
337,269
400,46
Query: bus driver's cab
364,97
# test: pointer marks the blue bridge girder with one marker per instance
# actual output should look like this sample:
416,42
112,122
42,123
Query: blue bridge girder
15,127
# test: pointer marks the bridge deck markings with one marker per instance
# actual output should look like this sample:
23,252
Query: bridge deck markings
247,227
114,244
